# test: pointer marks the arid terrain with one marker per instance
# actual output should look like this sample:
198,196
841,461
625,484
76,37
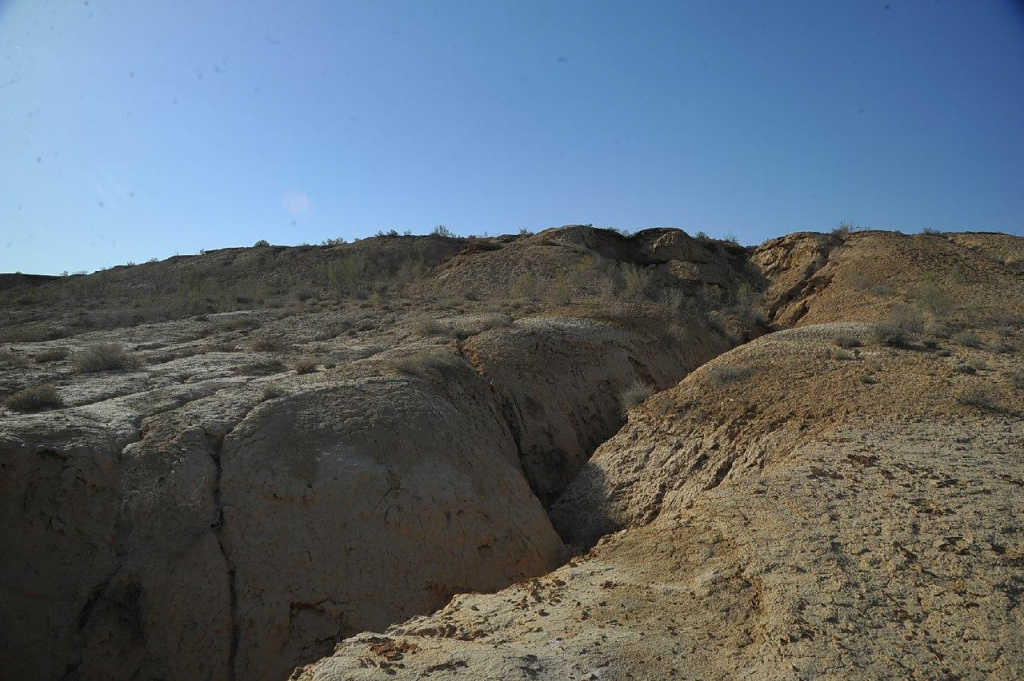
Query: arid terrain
578,454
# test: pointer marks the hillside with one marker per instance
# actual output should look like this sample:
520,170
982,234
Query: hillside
646,456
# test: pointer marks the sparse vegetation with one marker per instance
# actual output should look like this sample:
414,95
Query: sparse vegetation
840,353
51,355
269,343
12,360
934,298
271,392
968,339
264,367
441,230
426,364
106,357
428,327
261,243
634,394
847,341
898,330
733,374
978,396
304,366
36,398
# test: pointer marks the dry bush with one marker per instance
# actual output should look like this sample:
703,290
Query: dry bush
723,375
634,394
263,367
427,364
241,323
934,299
636,281
305,366
968,339
428,327
978,396
51,355
12,360
840,353
898,330
271,392
36,398
106,357
269,343
847,342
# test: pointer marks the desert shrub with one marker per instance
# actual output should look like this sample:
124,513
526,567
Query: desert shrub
349,276
898,330
978,396
304,293
934,298
261,243
868,379
526,285
428,327
842,231
12,360
967,339
305,366
441,230
51,355
942,352
840,353
105,357
36,398
268,343
263,367
1016,379
845,341
733,374
635,393
271,392
333,241
963,368
636,281
427,364
240,323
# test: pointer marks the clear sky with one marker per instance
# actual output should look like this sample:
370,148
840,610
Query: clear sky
132,130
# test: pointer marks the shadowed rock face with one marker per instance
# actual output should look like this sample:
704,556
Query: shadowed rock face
211,513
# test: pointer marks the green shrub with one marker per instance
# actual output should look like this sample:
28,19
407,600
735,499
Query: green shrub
105,357
33,399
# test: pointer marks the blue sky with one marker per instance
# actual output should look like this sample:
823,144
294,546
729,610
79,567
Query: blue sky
132,130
